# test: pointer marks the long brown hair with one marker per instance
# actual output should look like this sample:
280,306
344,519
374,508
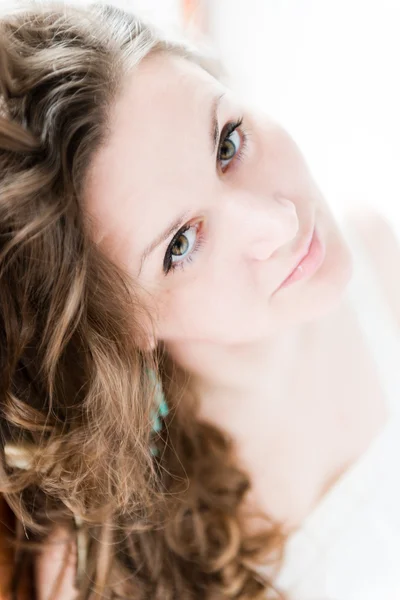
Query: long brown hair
76,399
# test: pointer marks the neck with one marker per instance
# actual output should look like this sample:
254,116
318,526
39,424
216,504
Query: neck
235,382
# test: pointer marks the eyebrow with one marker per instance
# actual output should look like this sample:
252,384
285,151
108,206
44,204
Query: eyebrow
177,223
214,133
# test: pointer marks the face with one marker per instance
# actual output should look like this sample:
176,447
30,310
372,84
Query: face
208,206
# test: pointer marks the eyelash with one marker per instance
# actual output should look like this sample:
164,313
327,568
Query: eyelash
169,265
227,131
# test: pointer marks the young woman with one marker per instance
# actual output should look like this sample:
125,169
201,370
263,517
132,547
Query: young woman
199,390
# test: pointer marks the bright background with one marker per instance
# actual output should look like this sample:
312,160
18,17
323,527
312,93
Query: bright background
327,70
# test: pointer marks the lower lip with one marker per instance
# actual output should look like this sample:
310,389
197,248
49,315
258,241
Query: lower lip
309,264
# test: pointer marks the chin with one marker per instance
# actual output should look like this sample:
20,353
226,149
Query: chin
323,292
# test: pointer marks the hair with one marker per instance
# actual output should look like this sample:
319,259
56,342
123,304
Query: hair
76,400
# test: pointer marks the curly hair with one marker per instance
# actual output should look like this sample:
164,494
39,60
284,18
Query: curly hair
76,401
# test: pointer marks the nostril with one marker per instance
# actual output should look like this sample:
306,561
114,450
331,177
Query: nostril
288,204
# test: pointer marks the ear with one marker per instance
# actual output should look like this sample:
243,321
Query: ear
143,338
146,337
149,344
145,320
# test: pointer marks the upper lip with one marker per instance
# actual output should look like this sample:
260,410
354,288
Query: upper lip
302,253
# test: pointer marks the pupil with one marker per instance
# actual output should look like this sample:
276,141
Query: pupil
180,246
227,150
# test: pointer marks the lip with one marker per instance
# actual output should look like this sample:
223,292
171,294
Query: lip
310,259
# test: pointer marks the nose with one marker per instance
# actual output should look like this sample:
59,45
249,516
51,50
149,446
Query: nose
263,224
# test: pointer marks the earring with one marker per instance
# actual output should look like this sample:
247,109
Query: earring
161,409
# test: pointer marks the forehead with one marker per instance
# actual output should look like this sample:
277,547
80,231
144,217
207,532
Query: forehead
159,144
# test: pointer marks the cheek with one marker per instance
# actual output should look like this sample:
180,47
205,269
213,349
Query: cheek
225,310
276,164
193,311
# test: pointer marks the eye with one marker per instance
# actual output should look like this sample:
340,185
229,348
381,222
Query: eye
232,144
183,245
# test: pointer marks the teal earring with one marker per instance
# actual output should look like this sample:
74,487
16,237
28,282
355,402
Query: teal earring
161,408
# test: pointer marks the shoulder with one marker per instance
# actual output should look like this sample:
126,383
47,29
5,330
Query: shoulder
381,240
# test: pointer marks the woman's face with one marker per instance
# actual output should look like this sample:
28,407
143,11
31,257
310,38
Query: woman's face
208,205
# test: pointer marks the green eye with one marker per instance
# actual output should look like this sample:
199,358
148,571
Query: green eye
228,149
181,245
231,145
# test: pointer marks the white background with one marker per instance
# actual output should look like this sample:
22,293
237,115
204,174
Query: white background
329,71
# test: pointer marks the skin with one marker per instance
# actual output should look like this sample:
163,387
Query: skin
272,367
253,352
220,311
253,216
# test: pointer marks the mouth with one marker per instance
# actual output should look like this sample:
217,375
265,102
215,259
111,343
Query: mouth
308,261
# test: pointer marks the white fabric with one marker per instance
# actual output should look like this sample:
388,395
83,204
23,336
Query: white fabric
349,547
